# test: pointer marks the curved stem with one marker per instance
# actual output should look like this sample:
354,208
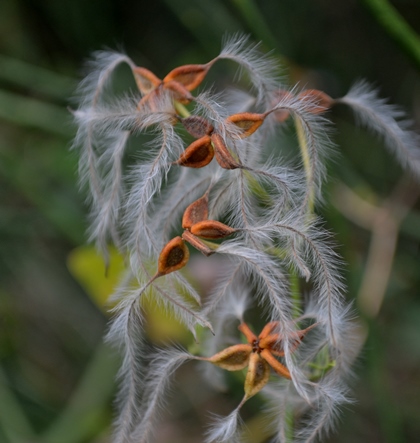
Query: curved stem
306,159
396,27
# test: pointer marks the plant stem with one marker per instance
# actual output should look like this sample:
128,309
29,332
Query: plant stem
306,165
255,20
396,27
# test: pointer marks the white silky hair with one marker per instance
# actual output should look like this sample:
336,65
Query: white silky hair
388,122
316,131
224,429
263,70
137,202
162,366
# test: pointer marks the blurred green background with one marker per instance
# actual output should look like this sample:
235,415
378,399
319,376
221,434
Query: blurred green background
56,376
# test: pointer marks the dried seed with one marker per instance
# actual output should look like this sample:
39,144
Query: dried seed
257,375
173,257
196,212
275,364
145,79
197,243
247,122
270,328
211,229
272,340
250,336
190,76
197,126
198,154
319,101
222,154
179,92
233,358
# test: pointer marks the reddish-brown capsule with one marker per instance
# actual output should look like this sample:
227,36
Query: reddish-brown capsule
179,92
257,376
196,212
190,76
247,122
197,126
233,358
319,101
145,79
198,154
173,257
211,229
197,243
275,364
222,154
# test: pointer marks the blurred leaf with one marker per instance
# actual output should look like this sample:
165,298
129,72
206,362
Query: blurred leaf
32,113
88,408
13,421
36,79
88,268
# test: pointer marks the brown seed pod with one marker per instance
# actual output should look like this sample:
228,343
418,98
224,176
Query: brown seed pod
250,336
179,92
173,257
257,375
197,243
247,122
196,212
211,229
145,79
190,76
318,100
222,154
233,358
197,126
198,154
272,340
275,364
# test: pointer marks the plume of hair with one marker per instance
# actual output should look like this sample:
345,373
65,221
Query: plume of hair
162,366
388,122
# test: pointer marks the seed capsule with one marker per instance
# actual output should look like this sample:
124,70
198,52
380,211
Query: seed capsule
318,100
173,257
270,339
233,358
211,229
197,243
190,76
257,375
247,122
275,364
145,79
222,154
198,154
179,92
197,126
196,212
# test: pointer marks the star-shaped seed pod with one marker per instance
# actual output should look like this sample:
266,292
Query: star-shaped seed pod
260,354
196,224
211,144
179,82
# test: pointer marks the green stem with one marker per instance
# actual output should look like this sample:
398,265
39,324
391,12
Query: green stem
396,27
306,159
181,109
255,21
